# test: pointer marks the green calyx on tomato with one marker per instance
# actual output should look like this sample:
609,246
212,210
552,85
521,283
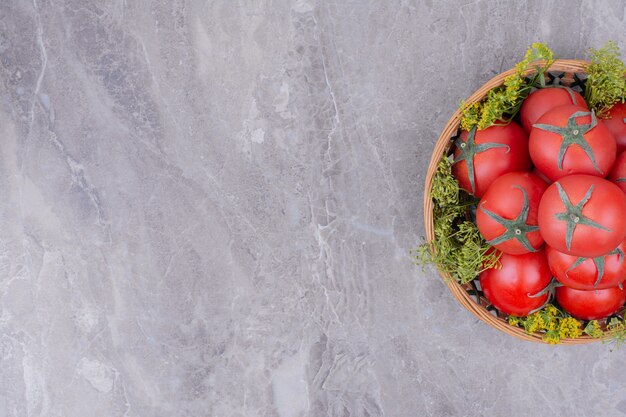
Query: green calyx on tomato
550,290
573,214
599,262
469,149
573,134
569,91
516,228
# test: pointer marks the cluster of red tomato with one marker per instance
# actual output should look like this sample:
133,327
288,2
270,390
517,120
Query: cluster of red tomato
558,179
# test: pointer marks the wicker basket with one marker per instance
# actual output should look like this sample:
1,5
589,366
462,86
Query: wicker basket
470,297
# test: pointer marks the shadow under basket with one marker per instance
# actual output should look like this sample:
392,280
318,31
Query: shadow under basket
565,72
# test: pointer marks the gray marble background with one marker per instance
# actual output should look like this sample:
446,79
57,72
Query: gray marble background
206,209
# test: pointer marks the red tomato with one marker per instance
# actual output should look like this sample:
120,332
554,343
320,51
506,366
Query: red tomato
588,273
591,305
507,214
616,123
553,136
513,288
487,154
618,173
540,101
583,215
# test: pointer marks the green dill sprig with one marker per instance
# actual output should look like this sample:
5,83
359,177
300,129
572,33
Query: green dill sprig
457,249
593,329
606,81
615,332
503,103
552,323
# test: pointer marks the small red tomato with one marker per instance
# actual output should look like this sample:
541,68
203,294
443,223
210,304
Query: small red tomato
541,101
571,140
616,123
507,214
597,273
583,215
618,173
481,156
514,288
591,305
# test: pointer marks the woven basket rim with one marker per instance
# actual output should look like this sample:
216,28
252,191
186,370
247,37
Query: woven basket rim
572,66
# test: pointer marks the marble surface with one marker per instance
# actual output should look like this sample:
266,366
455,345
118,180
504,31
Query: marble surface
207,207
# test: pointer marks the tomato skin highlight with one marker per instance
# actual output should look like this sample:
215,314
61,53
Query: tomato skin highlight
505,198
492,163
539,102
591,305
545,145
585,275
618,173
508,288
616,125
606,207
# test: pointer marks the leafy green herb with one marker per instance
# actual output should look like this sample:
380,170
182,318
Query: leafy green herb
615,332
503,103
606,82
555,325
458,248
551,322
593,329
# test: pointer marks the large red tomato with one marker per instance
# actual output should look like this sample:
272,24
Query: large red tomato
481,156
514,288
616,123
583,215
591,305
618,173
540,101
588,273
571,140
507,214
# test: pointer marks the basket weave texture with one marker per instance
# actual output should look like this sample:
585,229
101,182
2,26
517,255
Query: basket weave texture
570,72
